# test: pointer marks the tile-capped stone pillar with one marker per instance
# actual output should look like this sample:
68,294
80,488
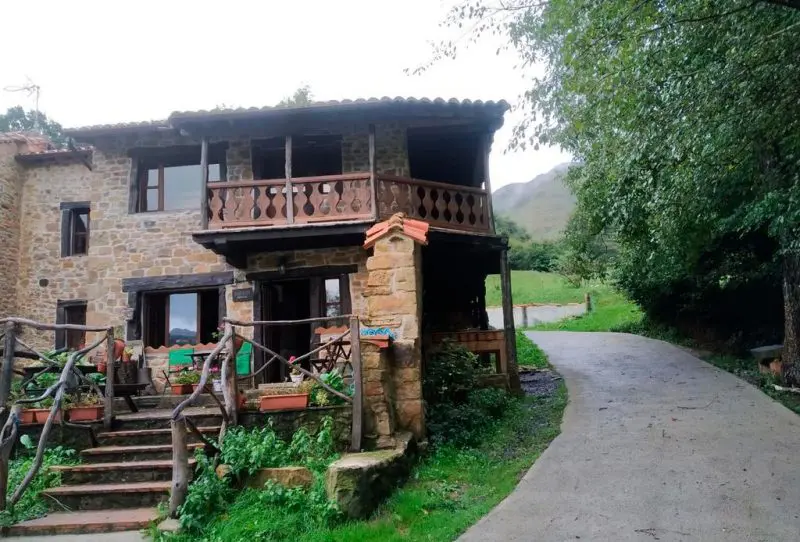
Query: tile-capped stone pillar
393,380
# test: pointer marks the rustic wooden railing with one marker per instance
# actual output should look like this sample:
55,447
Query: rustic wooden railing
181,425
440,204
328,198
10,430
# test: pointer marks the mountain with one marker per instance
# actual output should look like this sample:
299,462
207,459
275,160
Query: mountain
542,206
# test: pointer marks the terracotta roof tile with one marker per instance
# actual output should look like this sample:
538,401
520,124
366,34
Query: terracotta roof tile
416,230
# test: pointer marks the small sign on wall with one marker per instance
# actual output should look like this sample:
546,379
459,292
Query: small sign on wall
243,294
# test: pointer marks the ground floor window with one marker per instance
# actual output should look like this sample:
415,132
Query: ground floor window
71,312
180,318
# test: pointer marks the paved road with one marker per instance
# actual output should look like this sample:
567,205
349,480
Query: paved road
656,445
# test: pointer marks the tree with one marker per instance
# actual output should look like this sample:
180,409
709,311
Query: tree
16,119
301,97
684,114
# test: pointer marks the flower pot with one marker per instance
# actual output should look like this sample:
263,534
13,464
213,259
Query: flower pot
119,348
126,357
102,367
295,401
297,378
40,415
27,416
181,389
85,413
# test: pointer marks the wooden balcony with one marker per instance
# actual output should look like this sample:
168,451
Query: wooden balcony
345,198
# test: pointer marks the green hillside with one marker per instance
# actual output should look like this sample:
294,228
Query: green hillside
542,206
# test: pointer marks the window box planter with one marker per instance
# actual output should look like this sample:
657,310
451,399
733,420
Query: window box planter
181,389
294,401
27,416
40,415
85,413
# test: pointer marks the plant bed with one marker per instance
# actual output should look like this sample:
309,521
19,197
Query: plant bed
294,401
85,413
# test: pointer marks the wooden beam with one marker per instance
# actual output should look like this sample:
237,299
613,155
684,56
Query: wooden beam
108,410
204,182
373,169
486,147
304,272
7,374
289,192
355,361
173,282
508,324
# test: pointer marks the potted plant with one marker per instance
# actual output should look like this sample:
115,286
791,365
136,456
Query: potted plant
41,410
237,340
85,407
182,383
283,399
127,354
296,375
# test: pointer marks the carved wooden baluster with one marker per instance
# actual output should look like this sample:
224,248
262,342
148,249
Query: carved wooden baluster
440,205
458,217
452,206
247,202
364,198
279,203
310,200
472,216
262,203
215,205
483,215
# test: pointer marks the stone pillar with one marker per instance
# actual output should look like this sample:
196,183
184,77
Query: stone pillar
393,379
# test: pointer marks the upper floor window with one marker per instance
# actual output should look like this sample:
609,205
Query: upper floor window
74,228
170,180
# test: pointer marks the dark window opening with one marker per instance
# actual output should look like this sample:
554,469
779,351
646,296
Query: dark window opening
71,312
74,229
446,156
180,318
312,156
172,181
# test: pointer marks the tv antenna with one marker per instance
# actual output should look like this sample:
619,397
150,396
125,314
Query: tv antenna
30,89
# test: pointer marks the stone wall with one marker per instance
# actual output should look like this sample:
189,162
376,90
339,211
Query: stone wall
10,190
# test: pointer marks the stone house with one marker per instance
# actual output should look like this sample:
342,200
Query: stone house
164,227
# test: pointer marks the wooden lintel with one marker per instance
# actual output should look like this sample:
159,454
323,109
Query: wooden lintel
173,282
302,272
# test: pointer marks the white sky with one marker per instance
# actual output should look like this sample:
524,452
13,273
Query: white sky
108,61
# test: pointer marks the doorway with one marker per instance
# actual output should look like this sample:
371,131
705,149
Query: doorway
285,300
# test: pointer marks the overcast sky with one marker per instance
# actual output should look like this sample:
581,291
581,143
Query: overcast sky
108,61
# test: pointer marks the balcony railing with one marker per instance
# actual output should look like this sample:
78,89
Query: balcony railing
341,198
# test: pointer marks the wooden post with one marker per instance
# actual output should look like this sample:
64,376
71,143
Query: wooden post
588,300
355,360
108,410
9,346
204,182
8,437
289,193
231,386
486,144
508,323
180,466
373,168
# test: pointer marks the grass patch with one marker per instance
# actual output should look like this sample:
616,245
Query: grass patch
453,488
529,353
611,311
534,287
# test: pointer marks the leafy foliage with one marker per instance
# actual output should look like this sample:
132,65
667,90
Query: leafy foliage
525,253
458,412
30,505
319,396
16,119
301,97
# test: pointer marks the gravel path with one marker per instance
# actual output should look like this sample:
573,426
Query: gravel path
656,445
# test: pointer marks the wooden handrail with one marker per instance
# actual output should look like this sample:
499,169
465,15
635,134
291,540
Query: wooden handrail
431,184
243,323
295,181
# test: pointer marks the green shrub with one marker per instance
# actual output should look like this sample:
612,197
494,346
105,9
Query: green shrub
30,505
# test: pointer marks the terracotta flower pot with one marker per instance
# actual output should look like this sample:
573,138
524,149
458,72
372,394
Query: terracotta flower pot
295,401
27,416
102,367
126,357
86,413
41,414
119,348
181,389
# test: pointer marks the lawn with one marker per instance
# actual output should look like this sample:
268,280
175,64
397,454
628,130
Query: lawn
611,311
534,287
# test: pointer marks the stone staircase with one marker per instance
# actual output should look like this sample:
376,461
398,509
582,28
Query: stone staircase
119,484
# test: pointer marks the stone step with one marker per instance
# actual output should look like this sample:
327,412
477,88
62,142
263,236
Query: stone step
119,454
160,418
144,402
95,521
150,436
158,470
107,496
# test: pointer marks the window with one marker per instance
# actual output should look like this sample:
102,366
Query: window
74,228
173,181
333,297
181,318
71,312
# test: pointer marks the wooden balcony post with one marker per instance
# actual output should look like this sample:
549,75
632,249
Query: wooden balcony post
373,178
289,193
508,323
10,344
483,154
204,183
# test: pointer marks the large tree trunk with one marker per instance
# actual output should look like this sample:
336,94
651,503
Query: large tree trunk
791,314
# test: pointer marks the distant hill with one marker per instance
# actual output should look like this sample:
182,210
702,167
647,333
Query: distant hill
542,206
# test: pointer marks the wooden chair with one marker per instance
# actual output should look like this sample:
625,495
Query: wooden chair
338,352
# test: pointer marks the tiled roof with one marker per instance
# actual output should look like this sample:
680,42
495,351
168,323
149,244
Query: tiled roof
57,151
178,117
23,137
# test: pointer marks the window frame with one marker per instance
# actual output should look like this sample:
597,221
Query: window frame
69,213
63,308
147,308
159,159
